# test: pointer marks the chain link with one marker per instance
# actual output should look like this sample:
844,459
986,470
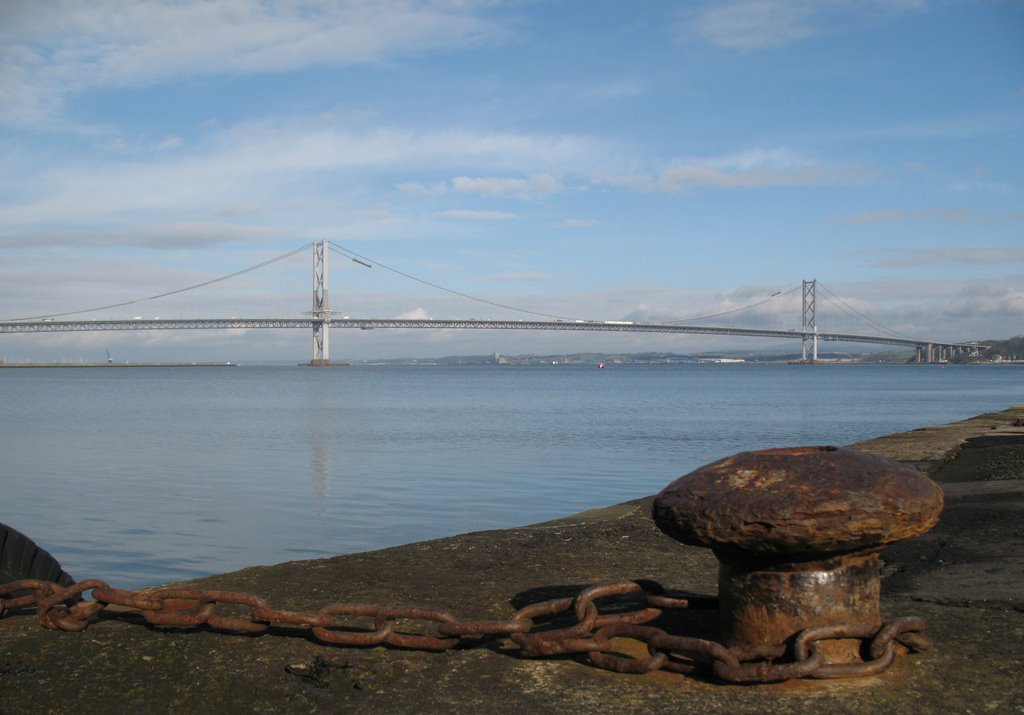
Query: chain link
538,629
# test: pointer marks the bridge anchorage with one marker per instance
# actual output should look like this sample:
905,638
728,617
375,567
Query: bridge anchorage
321,319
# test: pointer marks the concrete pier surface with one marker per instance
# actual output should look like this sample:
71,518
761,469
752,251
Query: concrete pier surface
965,578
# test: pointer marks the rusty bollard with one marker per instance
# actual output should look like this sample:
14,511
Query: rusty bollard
797,532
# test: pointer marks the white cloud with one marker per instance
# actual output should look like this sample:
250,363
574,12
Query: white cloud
518,277
988,187
577,223
414,188
183,235
749,169
170,142
889,215
469,215
415,314
296,146
54,48
615,90
239,209
907,257
255,163
535,186
763,24
755,24
1001,305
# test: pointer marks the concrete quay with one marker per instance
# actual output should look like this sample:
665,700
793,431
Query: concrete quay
965,578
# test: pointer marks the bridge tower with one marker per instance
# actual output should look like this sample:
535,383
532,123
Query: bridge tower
808,324
321,307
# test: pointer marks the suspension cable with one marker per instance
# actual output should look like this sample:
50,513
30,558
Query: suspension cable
773,296
172,292
857,313
369,263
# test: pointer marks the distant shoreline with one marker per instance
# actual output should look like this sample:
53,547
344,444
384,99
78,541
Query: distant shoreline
116,364
429,363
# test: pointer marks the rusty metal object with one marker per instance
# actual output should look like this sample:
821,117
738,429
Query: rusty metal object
797,532
538,629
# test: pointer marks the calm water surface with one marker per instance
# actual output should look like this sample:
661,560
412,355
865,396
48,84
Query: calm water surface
142,476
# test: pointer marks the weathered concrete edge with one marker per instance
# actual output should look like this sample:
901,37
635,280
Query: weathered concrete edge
615,512
926,446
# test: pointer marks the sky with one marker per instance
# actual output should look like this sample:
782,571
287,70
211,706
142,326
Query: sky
587,159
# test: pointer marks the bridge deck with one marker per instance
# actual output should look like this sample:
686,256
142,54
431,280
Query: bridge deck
48,326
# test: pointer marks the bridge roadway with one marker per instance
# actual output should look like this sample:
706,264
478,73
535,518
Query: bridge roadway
48,326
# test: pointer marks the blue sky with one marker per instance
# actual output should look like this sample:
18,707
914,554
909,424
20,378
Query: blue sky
603,160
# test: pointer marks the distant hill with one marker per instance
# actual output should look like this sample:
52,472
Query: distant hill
1012,349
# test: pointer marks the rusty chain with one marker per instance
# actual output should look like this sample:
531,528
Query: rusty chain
599,636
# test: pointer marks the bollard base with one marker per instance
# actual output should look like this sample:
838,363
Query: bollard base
765,604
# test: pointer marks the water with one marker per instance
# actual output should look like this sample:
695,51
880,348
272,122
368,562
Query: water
141,476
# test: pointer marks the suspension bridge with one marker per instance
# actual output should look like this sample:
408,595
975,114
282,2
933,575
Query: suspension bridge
321,319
